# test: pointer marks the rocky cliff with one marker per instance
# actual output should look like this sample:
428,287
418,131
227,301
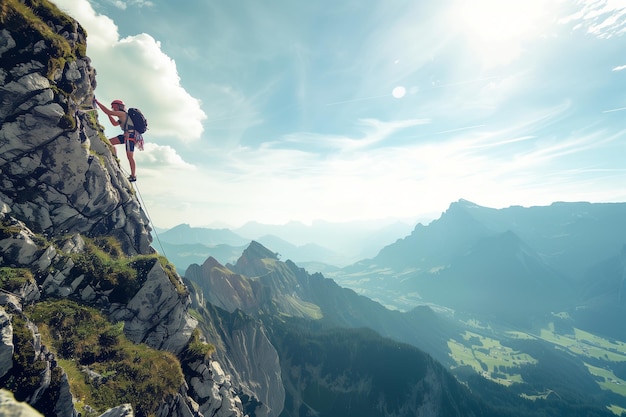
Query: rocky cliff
58,175
72,228
243,348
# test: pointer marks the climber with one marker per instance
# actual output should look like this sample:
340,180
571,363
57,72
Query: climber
128,137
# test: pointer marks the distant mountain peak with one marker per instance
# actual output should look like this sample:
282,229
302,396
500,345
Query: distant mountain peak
211,262
254,261
182,226
465,203
257,251
186,234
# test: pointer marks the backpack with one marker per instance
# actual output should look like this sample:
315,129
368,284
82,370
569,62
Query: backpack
139,121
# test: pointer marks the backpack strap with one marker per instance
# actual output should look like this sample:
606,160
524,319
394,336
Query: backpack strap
125,127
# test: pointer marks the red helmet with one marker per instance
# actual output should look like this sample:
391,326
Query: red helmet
120,102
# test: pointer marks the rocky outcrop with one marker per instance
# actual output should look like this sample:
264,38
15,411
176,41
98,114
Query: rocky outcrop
214,390
124,410
9,407
57,174
157,314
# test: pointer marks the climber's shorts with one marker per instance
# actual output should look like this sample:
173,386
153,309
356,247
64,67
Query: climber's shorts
130,143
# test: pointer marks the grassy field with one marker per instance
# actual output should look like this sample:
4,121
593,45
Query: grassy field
497,362
586,344
489,357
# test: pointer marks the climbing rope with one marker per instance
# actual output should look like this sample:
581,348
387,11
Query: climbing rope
145,209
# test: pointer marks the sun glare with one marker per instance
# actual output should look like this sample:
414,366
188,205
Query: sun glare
398,92
498,29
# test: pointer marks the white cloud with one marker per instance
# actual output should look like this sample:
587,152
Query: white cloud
136,70
619,68
602,18
123,5
157,163
374,132
162,157
119,4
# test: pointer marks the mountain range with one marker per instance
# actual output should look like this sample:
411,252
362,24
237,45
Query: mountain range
549,273
299,310
515,261
321,245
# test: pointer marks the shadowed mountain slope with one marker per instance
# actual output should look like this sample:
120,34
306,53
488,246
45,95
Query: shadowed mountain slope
332,366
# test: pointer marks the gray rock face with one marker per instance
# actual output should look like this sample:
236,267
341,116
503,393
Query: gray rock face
244,351
157,314
65,403
9,407
254,363
56,172
125,410
6,343
214,389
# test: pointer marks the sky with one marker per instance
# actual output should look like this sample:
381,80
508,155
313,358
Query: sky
278,111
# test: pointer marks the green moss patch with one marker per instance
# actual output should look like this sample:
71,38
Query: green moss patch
12,279
104,368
